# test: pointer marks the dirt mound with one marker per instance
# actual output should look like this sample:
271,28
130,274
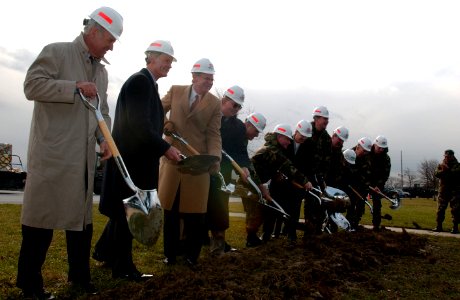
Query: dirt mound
320,267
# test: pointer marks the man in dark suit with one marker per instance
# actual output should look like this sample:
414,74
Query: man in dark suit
235,143
137,131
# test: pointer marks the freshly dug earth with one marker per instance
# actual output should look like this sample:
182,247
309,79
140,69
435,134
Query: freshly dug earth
322,267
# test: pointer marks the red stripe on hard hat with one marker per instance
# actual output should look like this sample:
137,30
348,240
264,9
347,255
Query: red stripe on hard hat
231,91
281,129
196,65
155,44
338,130
318,110
105,17
255,119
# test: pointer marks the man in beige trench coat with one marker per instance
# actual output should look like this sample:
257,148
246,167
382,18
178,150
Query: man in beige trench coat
185,196
61,155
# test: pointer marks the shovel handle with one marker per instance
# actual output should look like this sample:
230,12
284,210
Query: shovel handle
108,137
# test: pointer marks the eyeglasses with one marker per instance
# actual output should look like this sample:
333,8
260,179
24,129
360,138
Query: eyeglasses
236,105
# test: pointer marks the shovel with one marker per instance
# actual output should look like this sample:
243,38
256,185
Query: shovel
261,200
197,163
395,203
143,209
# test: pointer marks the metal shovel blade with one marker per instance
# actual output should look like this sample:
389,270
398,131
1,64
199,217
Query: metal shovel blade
145,216
197,164
340,221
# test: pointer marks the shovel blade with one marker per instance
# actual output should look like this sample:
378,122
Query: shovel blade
340,221
145,216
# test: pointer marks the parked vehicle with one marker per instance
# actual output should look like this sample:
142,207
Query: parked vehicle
12,174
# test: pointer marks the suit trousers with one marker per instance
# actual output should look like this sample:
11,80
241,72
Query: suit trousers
115,246
35,245
194,226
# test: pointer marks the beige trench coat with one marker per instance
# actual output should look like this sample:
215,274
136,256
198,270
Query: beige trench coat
201,129
61,153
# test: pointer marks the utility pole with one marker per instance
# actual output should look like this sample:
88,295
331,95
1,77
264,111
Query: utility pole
402,174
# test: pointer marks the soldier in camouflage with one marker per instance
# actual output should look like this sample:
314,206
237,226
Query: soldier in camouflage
362,181
448,173
268,162
380,170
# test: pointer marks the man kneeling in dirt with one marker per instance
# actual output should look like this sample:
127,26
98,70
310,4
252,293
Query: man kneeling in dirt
268,162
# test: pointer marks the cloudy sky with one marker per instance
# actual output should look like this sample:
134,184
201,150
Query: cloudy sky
380,67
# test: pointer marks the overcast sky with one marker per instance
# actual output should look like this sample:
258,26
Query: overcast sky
380,67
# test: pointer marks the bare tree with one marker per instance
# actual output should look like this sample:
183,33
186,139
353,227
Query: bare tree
426,170
392,182
411,177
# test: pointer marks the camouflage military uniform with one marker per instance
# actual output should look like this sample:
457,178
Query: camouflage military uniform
449,192
361,183
380,171
268,162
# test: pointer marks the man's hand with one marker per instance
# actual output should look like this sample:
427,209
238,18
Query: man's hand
308,186
265,193
104,149
88,89
173,154
245,175
215,168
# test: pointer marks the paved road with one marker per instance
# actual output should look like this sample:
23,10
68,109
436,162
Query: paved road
15,197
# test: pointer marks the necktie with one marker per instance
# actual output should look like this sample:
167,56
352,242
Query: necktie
195,103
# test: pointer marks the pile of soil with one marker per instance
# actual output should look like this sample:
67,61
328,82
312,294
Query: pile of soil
321,267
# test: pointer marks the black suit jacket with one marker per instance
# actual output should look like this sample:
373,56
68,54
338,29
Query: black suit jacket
137,131
235,143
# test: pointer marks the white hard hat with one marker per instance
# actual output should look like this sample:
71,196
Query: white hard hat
284,129
236,94
162,47
366,143
342,133
381,141
110,19
203,65
258,120
321,111
304,128
350,156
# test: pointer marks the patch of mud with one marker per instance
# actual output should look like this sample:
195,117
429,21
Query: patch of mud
321,267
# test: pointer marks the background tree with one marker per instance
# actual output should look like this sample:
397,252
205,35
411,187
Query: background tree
426,171
411,177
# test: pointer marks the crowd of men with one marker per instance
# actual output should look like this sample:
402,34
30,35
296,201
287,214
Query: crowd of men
58,195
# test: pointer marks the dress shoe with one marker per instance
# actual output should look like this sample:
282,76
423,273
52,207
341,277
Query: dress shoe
437,229
38,295
169,261
132,276
191,263
229,248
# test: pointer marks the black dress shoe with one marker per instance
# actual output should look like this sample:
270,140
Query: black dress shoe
38,295
87,288
229,248
132,276
169,261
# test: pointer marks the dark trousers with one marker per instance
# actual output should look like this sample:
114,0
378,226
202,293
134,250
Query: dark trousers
194,225
376,210
115,246
35,244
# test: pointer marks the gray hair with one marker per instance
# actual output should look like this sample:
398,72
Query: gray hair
149,54
89,24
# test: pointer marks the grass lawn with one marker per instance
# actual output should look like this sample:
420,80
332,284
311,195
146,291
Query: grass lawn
419,211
